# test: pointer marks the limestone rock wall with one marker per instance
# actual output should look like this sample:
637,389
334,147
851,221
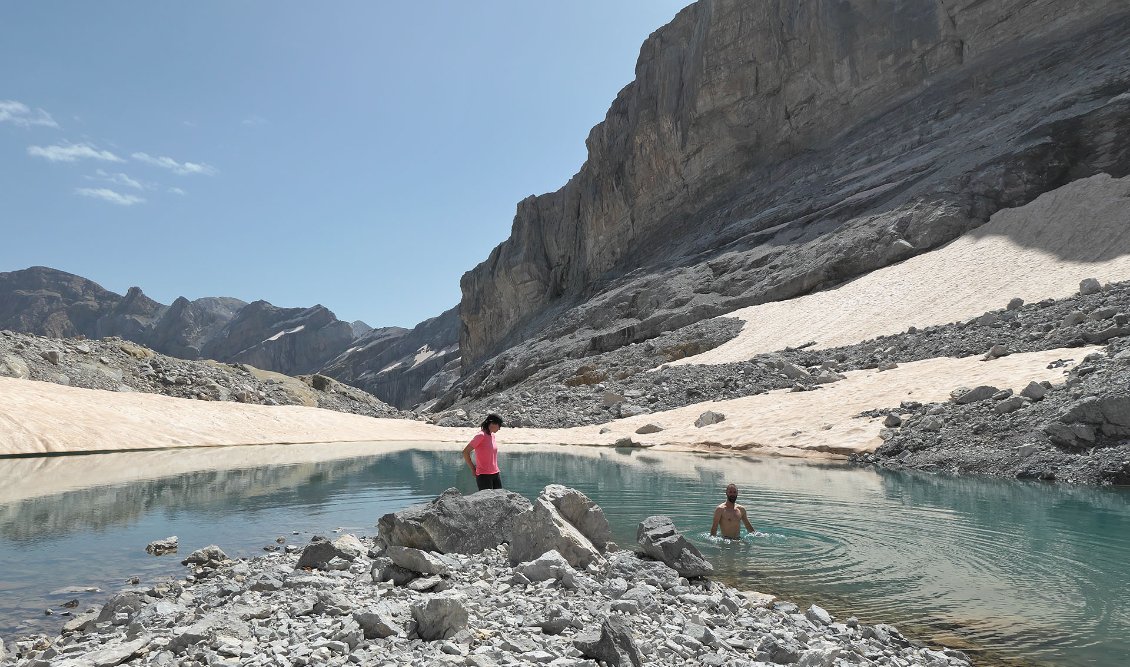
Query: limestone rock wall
726,98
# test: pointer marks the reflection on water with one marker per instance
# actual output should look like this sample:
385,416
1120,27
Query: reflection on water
1012,571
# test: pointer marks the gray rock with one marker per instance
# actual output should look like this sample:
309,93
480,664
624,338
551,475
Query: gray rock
383,569
892,420
51,356
454,523
1034,391
929,423
1011,404
997,351
818,615
627,410
708,418
439,617
660,540
648,429
612,643
611,398
1089,286
1073,318
13,366
794,372
543,529
317,554
162,547
417,560
209,556
424,583
828,377
548,566
975,394
585,515
379,621
349,547
1015,304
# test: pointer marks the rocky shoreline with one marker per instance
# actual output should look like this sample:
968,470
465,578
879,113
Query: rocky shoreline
535,589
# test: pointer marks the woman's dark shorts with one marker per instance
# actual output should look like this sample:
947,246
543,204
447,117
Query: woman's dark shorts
489,481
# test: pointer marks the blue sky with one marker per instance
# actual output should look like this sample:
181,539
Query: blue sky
362,155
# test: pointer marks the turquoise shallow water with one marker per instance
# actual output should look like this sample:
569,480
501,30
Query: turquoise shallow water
1012,572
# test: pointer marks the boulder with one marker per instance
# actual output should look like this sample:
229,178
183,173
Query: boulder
123,603
13,366
162,547
975,394
439,617
997,351
454,523
317,554
929,423
612,643
380,621
709,417
649,428
1034,391
548,566
349,547
1015,304
828,377
417,560
209,556
1089,286
660,540
542,529
1011,404
585,515
1073,318
1109,413
818,615
383,569
892,420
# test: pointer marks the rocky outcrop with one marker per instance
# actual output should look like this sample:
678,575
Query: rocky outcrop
768,149
400,366
187,326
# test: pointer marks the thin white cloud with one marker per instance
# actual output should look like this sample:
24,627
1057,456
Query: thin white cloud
108,195
254,121
117,179
177,191
182,168
20,114
72,153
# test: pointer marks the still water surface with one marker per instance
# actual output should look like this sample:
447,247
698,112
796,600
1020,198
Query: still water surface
1012,572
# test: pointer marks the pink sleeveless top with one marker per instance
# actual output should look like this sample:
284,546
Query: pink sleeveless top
486,454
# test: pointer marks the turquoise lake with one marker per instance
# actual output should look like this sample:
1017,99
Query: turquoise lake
1012,573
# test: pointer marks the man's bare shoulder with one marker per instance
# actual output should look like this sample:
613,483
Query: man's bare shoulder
721,506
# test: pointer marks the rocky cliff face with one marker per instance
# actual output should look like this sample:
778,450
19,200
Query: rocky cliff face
767,149
288,340
400,366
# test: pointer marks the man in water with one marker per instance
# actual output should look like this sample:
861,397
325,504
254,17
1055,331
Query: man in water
730,516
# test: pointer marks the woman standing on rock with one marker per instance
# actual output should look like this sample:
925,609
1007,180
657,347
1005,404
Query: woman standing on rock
485,465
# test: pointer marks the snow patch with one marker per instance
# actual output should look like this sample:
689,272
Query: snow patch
286,332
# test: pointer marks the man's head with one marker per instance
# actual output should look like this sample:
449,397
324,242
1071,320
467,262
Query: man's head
731,493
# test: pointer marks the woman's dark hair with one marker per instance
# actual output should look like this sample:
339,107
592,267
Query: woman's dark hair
491,419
